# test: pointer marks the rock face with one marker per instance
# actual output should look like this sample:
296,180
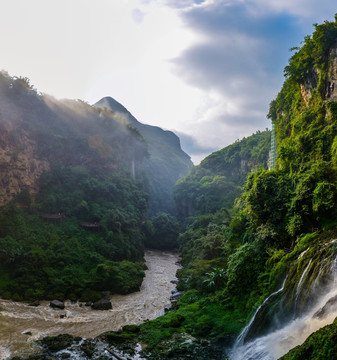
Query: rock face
309,86
19,165
331,93
312,80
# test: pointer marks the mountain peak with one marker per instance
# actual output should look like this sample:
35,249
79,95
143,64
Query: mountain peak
111,104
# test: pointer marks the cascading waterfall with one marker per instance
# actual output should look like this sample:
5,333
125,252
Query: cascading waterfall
241,338
279,341
299,286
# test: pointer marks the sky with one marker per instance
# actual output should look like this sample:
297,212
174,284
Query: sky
205,69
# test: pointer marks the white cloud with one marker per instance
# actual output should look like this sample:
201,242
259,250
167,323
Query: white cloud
208,68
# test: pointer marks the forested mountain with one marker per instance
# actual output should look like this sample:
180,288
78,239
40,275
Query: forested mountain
274,251
165,164
217,181
258,246
75,183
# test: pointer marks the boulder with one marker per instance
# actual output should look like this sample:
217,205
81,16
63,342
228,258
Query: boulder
168,308
176,295
56,304
103,304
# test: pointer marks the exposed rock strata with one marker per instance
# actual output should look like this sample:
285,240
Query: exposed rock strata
19,165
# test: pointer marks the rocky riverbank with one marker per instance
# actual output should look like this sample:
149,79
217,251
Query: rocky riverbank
125,345
22,325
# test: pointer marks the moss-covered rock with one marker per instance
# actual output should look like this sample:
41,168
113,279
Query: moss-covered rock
57,343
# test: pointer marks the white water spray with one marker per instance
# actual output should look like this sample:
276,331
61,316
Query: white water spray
277,343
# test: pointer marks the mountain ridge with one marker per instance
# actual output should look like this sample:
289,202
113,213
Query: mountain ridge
165,155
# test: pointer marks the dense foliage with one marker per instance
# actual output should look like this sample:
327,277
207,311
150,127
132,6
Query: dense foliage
215,183
162,232
81,235
81,228
234,257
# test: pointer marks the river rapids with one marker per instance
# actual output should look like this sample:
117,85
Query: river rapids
21,325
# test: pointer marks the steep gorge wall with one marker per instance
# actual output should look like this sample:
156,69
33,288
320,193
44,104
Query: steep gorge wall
20,166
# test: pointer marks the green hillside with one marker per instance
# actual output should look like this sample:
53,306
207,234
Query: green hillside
234,257
74,196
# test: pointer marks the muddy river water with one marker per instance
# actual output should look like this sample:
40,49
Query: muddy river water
21,325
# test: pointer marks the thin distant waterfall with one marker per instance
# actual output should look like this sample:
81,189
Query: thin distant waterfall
133,169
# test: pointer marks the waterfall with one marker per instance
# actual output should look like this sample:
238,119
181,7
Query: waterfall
279,341
241,338
300,283
133,169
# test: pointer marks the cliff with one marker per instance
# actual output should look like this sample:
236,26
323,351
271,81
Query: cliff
38,130
75,174
20,164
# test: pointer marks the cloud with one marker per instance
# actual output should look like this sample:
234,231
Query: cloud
137,16
240,58
298,8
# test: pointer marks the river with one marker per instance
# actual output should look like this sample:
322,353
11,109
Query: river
21,325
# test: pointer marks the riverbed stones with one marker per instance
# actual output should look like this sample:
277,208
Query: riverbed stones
176,295
56,304
103,304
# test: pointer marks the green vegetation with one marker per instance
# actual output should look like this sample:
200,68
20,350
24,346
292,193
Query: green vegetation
43,260
233,257
243,228
215,183
217,278
81,227
162,232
